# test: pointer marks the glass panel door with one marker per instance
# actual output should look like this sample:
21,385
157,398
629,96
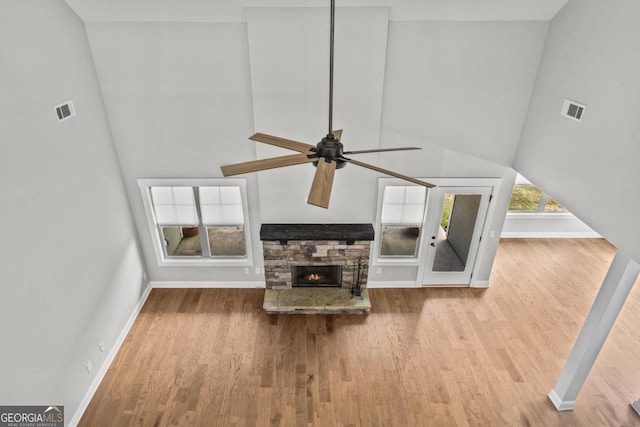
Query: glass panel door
455,219
456,231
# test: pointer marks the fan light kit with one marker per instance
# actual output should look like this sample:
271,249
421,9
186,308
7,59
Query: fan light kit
327,155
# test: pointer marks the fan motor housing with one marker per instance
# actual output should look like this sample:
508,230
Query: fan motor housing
330,148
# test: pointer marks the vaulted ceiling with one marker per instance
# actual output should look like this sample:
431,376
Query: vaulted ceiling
234,10
476,83
189,81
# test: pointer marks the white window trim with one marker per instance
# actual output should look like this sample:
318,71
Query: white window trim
145,184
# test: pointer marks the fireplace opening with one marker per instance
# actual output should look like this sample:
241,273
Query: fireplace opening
316,275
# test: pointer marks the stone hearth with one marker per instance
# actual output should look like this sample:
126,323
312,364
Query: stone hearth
287,246
315,301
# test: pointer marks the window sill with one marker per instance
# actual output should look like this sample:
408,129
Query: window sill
540,215
204,262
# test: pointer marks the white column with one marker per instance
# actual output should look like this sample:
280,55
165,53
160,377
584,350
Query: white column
611,297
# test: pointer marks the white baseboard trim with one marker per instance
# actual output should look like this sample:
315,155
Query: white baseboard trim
636,406
405,284
559,404
207,284
482,284
109,359
549,235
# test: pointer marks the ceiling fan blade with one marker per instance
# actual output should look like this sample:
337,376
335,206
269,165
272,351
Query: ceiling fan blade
337,134
388,172
281,142
264,164
322,182
379,150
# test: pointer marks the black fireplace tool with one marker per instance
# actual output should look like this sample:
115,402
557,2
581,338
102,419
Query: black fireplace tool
356,289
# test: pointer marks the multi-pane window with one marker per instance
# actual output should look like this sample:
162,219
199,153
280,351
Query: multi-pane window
198,221
401,220
526,197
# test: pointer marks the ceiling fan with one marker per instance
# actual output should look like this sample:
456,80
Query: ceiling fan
327,155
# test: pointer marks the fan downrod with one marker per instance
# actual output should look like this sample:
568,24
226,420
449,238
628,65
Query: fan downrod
330,148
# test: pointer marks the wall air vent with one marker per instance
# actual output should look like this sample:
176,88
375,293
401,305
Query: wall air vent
65,111
573,110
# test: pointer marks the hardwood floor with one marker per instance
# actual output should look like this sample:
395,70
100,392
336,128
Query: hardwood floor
432,357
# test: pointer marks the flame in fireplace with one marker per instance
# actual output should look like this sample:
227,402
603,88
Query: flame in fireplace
314,277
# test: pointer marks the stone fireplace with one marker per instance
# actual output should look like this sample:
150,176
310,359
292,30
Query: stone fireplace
315,268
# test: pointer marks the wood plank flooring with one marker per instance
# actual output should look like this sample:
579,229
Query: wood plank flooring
423,357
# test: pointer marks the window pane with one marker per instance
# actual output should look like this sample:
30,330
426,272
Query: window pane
399,241
553,206
454,240
174,205
182,241
221,206
227,241
403,204
525,198
446,211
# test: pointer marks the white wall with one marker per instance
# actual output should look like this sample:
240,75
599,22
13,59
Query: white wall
289,53
178,98
458,86
591,167
71,270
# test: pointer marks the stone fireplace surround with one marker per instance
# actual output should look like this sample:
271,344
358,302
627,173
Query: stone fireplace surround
290,245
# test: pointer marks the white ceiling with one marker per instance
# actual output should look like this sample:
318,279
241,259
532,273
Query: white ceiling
235,10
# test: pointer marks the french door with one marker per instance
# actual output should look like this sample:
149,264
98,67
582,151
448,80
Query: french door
454,221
